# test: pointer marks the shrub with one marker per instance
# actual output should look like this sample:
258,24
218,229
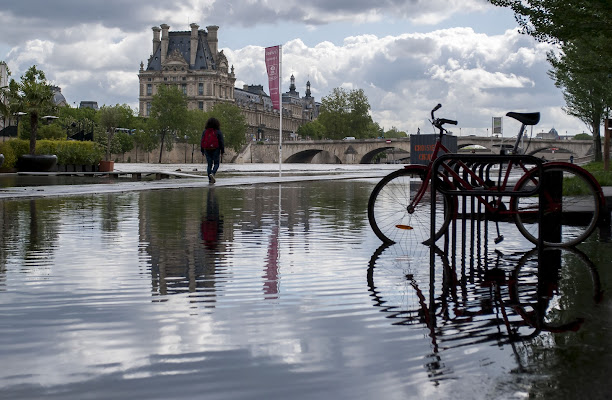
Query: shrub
67,151
10,159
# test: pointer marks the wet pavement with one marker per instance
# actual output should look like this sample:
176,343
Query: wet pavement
282,291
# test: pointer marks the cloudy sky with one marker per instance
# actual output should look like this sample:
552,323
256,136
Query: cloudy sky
407,55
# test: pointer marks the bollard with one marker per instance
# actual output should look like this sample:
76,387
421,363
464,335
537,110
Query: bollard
551,193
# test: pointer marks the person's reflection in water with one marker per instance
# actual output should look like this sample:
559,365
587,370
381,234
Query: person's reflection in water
212,223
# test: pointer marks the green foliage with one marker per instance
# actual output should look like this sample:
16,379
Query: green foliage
146,139
597,169
126,142
583,136
394,133
169,117
233,124
32,95
346,113
196,122
51,131
561,21
585,89
67,151
582,29
10,158
313,130
111,118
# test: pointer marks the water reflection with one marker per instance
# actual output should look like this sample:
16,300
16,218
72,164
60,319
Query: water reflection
468,296
122,291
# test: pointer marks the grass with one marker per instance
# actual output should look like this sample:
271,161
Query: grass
574,186
597,169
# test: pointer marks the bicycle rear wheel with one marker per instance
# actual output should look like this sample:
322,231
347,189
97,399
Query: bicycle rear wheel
579,207
390,214
551,292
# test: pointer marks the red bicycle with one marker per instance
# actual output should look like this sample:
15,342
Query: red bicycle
399,206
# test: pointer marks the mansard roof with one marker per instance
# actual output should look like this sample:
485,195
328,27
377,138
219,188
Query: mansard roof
180,43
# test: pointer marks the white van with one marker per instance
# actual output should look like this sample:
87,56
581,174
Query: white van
349,138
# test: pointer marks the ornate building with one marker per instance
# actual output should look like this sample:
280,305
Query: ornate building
191,61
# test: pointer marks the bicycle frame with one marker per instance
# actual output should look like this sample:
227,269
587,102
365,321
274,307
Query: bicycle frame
502,183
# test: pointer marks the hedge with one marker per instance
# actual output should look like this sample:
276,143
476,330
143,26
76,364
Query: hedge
67,151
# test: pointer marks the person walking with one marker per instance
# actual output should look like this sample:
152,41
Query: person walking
212,147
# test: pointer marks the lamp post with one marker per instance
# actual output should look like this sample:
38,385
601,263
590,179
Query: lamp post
19,114
185,137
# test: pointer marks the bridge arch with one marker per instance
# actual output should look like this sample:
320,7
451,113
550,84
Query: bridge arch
399,154
474,148
307,157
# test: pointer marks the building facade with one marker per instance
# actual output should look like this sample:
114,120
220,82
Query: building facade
191,61
4,81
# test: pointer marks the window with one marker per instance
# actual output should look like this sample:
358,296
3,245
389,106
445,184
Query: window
201,89
184,88
149,89
148,109
201,105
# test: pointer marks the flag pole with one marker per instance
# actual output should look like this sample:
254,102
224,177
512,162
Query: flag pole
280,94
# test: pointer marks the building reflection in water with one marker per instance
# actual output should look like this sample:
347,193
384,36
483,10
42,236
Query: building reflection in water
184,244
469,296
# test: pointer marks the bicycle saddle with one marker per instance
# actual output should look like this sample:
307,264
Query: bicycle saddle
525,118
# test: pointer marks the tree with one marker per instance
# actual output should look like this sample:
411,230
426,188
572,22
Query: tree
32,95
110,119
196,122
146,139
395,133
233,124
345,113
168,116
125,142
582,29
585,90
563,21
313,130
583,136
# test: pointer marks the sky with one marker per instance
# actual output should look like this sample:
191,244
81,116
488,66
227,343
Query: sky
407,55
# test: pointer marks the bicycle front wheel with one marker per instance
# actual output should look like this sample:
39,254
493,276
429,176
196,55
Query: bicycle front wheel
395,220
579,206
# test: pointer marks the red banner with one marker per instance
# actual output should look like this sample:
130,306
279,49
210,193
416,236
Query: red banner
273,68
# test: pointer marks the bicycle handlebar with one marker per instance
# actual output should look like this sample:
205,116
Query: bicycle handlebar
438,122
443,121
436,108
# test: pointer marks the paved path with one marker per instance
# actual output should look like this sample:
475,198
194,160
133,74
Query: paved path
186,181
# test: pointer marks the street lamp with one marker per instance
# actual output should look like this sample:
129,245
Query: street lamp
19,114
49,118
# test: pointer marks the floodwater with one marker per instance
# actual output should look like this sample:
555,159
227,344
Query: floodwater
282,291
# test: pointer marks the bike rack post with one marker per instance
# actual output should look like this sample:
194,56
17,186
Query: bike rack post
452,168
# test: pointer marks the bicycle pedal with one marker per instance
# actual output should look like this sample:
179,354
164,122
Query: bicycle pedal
499,239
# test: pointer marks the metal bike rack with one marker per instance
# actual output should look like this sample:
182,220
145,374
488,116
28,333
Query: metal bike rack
476,175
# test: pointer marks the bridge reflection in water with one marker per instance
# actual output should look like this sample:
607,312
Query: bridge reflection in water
467,297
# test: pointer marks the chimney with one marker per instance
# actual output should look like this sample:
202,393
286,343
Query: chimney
164,42
156,41
212,40
194,44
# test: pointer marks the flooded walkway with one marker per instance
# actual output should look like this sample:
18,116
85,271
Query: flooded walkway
280,290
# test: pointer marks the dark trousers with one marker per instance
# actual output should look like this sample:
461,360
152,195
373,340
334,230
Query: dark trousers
213,157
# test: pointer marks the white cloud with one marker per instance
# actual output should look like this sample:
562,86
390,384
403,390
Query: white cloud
403,71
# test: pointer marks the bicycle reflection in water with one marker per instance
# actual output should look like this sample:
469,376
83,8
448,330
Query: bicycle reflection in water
502,300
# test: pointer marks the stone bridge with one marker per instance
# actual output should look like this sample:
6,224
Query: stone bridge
398,150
